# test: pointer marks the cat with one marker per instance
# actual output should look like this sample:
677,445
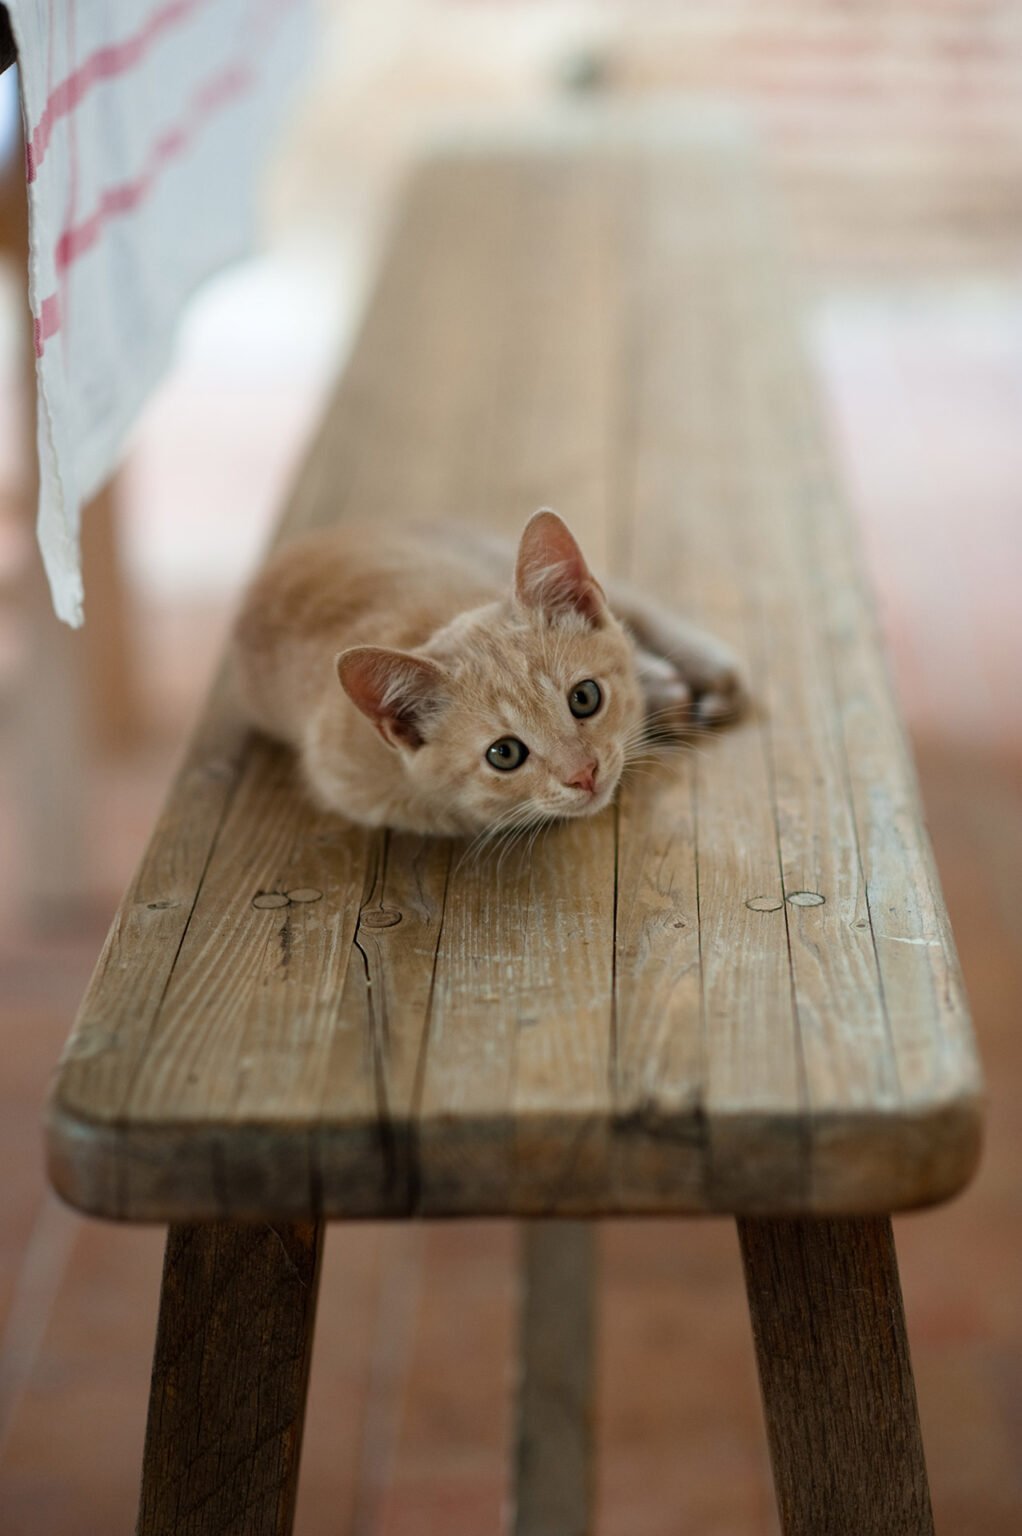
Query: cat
434,681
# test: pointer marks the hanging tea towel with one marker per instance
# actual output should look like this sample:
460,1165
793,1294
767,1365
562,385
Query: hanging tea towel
145,132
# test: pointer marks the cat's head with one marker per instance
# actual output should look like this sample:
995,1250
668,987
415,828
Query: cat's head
516,712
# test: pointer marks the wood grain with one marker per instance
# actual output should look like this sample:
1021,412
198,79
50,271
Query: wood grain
227,1403
733,991
553,1488
836,1379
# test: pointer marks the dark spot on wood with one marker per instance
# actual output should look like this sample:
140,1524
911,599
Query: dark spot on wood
285,942
161,906
380,917
267,900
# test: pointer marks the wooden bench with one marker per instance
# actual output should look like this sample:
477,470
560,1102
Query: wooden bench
735,992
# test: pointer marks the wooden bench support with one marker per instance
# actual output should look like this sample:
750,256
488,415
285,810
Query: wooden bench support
836,1377
554,1452
229,1379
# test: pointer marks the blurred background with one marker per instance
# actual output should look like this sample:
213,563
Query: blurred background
894,133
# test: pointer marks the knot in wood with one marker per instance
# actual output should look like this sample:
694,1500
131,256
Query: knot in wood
380,917
267,900
305,893
806,899
764,904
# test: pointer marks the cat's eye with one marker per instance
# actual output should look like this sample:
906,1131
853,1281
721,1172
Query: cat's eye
507,753
585,699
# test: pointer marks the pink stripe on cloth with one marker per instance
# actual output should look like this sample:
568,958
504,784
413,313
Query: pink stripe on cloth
75,241
47,323
104,64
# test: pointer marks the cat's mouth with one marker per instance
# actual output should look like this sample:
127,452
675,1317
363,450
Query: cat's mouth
596,801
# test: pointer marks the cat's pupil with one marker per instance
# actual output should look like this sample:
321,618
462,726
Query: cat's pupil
507,753
585,699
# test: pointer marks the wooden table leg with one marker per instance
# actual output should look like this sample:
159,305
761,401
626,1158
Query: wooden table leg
836,1377
230,1372
554,1458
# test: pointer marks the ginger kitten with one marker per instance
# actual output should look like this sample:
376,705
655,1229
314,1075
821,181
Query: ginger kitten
432,681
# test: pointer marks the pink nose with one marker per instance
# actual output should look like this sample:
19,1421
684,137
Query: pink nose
584,779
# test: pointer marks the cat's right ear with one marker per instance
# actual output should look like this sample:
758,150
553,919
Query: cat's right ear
397,691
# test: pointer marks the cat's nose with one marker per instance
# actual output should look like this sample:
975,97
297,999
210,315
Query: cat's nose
584,779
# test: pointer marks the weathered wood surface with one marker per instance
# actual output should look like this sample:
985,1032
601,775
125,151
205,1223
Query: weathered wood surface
837,1384
227,1404
735,990
553,1483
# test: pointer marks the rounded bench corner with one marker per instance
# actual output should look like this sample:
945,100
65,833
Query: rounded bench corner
81,1158
954,1127
909,1158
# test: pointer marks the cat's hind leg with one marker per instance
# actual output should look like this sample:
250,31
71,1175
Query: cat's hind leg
667,697
675,656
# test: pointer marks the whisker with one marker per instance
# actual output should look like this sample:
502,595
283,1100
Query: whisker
494,832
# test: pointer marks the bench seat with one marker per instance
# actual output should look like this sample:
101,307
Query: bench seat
734,991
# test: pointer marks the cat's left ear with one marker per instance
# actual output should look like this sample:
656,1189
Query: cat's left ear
397,691
551,571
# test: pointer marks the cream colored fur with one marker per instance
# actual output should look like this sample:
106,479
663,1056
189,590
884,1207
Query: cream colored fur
391,659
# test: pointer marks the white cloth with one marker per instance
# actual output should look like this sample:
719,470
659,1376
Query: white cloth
146,126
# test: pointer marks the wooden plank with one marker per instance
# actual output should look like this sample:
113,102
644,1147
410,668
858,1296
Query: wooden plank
107,1045
736,990
386,1017
230,1373
514,1086
842,1050
841,1415
737,1083
247,1018
553,1488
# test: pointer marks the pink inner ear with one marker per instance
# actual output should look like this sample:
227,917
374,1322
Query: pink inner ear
395,690
551,572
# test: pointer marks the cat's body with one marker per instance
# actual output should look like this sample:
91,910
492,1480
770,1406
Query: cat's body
476,688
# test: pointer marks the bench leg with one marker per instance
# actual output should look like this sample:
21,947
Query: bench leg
553,1456
836,1377
229,1378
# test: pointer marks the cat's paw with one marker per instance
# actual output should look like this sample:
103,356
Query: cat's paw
719,694
681,698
